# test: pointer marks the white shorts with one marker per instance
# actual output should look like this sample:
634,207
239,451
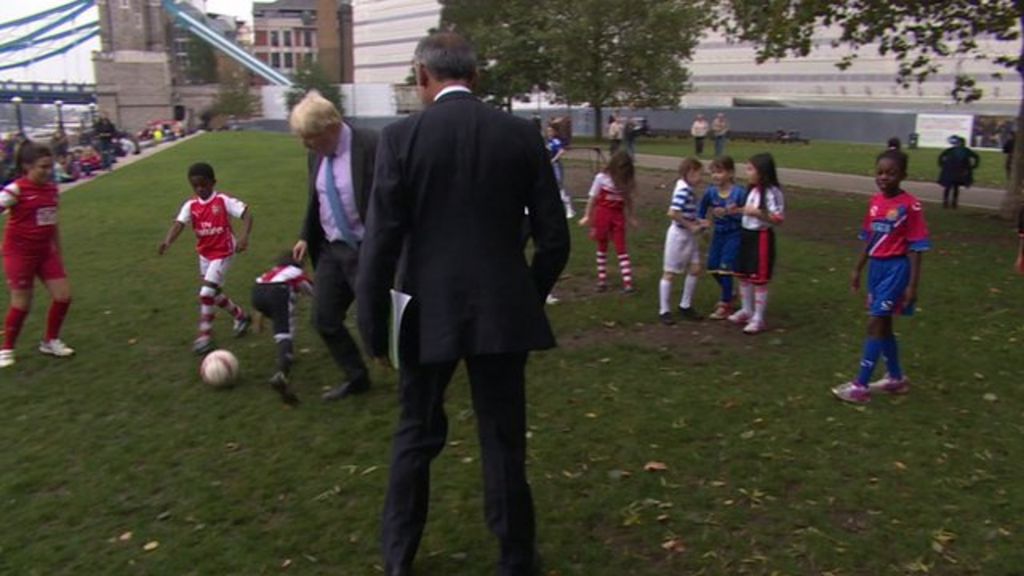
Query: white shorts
214,271
682,249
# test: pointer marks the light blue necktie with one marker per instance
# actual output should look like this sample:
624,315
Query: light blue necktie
334,199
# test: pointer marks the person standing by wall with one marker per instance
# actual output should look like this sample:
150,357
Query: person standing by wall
957,165
699,131
106,133
614,134
720,129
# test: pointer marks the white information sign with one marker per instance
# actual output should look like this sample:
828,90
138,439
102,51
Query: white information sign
934,130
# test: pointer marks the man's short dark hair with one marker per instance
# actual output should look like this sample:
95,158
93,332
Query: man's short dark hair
447,56
201,169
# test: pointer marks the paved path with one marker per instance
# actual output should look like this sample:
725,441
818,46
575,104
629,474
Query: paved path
988,198
126,161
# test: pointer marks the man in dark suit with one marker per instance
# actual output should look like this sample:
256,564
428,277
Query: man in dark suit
451,186
341,161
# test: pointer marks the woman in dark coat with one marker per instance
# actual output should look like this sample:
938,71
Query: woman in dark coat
957,164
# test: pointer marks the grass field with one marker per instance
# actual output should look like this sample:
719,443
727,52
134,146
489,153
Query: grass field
839,157
122,447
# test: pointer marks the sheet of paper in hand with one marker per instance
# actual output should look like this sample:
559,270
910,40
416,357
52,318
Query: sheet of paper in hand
399,302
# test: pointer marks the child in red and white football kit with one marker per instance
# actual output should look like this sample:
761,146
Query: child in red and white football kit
210,212
32,248
274,295
609,210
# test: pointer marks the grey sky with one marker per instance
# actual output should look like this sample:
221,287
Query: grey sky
76,65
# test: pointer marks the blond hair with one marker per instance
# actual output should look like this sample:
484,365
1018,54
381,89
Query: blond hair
313,115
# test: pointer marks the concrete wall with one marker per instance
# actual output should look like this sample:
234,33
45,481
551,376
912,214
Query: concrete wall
815,124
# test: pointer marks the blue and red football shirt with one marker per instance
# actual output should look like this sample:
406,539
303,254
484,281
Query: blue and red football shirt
894,226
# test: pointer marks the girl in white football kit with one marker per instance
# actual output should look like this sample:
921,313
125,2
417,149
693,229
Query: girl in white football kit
210,212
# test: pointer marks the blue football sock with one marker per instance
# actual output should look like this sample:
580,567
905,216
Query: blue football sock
872,351
891,351
726,283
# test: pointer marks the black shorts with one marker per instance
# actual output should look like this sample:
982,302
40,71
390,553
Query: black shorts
757,255
275,302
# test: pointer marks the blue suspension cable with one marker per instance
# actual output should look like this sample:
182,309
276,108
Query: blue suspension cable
41,15
37,41
82,7
56,52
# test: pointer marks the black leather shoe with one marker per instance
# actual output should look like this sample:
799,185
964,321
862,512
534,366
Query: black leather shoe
350,388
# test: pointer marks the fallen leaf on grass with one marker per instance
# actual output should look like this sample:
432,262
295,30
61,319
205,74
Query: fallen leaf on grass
287,562
619,474
899,465
674,545
990,397
654,466
151,545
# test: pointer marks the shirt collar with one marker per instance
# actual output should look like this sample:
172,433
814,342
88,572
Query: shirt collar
344,141
452,90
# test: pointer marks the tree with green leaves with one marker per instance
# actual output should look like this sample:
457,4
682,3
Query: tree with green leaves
235,97
202,61
614,53
508,36
914,32
310,76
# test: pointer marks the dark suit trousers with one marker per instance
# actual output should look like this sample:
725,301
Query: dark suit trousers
499,402
333,292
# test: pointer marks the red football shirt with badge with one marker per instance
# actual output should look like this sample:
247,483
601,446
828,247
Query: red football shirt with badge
894,226
32,215
211,222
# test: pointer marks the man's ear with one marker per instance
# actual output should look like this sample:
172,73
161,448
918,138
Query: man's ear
422,78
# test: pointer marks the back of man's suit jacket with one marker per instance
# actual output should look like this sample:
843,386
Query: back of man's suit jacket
450,190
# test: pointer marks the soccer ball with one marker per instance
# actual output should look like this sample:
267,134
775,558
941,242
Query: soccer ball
219,368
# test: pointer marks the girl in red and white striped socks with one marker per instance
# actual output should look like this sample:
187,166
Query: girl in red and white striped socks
609,209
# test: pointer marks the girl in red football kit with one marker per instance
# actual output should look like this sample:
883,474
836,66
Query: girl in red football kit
609,209
32,248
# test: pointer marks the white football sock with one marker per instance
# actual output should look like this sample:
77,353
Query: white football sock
760,303
665,293
747,296
689,287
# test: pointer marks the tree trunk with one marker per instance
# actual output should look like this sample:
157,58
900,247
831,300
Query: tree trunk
1012,199
598,132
